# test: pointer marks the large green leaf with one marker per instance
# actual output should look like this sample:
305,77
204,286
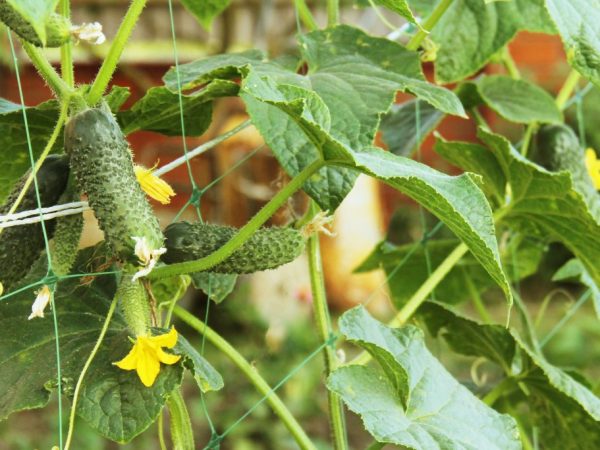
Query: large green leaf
472,31
354,76
112,401
407,125
577,23
549,202
452,199
14,152
407,267
565,412
413,401
518,100
35,12
205,10
400,7
159,110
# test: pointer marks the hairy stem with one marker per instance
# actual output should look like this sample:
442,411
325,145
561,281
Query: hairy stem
333,13
253,376
305,15
182,435
509,64
116,50
61,89
245,232
321,312
66,50
567,88
428,25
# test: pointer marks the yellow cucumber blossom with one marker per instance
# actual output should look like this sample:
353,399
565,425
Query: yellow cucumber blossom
593,166
40,303
147,256
147,354
154,186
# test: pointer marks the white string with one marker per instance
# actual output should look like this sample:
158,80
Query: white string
44,216
49,209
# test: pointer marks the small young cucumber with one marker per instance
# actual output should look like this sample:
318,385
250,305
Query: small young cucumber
58,28
558,148
268,248
134,304
65,243
21,245
103,168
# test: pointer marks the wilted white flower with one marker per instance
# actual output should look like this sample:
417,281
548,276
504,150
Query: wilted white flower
89,32
148,257
40,303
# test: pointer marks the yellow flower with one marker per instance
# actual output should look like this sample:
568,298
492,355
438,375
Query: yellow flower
152,185
593,166
147,354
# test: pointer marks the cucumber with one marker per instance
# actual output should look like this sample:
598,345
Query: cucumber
58,28
558,149
268,248
103,168
67,233
21,245
134,305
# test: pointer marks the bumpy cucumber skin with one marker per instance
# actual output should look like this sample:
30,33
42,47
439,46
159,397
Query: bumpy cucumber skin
57,27
67,234
268,248
20,246
133,301
558,149
103,168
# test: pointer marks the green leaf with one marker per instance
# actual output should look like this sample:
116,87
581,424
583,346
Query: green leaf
14,153
565,412
413,401
577,23
113,401
452,199
407,268
573,269
406,126
206,376
168,290
35,12
217,286
159,110
205,11
548,202
117,96
472,31
518,100
400,7
353,75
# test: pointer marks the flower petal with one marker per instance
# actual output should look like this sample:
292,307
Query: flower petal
167,358
166,340
148,366
153,186
130,361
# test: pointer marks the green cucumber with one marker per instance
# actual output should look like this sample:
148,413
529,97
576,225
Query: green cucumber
65,243
268,248
134,304
21,245
558,149
103,168
58,28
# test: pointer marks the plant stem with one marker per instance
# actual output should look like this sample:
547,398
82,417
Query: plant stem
333,13
305,15
57,129
509,64
321,312
66,50
182,436
477,301
376,446
567,88
61,89
528,137
428,25
245,232
251,373
161,432
493,396
86,366
114,54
